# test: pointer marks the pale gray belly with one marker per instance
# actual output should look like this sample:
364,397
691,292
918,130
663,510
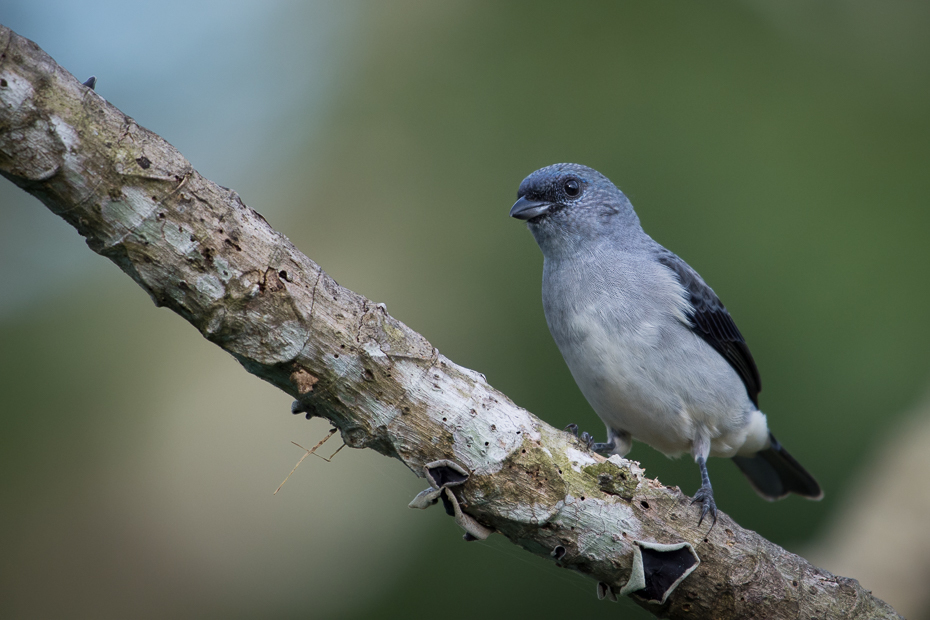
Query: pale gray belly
654,379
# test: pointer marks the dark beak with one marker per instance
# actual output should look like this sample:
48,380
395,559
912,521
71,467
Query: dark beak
524,209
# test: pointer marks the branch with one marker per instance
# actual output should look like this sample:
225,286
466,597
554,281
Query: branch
198,250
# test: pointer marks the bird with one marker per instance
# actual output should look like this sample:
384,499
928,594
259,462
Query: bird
651,346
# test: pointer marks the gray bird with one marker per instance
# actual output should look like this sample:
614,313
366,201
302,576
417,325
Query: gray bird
651,346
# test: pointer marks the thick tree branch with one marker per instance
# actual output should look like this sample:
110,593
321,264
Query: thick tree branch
197,249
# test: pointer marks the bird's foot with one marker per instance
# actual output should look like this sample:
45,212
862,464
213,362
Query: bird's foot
705,495
588,440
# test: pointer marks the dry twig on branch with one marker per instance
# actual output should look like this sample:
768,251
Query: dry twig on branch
198,250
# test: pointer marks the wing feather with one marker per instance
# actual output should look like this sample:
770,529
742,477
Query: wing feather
711,321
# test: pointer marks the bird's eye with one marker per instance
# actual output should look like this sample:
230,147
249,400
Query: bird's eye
572,187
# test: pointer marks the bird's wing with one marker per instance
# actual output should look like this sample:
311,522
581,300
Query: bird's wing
711,321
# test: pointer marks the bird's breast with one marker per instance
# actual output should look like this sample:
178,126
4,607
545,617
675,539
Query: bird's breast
635,359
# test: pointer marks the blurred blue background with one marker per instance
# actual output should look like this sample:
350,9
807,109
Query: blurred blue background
781,148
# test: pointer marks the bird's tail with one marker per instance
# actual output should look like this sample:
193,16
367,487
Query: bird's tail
774,473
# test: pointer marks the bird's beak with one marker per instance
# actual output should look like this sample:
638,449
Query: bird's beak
524,209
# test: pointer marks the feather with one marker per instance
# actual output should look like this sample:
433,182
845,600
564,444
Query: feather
711,321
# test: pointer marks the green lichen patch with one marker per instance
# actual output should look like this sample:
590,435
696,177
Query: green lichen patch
529,474
613,480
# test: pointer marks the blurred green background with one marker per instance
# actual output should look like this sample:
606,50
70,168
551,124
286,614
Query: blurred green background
781,148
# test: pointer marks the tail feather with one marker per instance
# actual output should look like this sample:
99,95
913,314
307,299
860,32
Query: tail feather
774,473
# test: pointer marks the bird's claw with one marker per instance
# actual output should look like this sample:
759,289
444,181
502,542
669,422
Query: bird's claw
586,438
604,449
705,495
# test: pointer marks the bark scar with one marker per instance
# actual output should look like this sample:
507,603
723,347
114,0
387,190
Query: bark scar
303,379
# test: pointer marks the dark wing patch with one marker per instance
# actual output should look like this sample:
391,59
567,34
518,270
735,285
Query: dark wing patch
711,321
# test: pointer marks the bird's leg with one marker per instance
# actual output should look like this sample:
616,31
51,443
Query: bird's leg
705,494
604,449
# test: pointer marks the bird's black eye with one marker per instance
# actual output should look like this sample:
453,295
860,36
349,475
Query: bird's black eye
572,187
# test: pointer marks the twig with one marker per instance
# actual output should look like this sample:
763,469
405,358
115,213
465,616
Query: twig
330,459
309,452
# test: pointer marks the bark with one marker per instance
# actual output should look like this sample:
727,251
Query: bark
198,250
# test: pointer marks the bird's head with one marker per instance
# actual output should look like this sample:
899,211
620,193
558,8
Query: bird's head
567,206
